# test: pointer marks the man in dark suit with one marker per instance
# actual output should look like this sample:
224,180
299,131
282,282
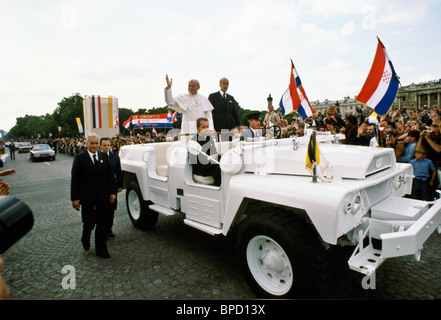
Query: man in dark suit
225,113
115,164
93,189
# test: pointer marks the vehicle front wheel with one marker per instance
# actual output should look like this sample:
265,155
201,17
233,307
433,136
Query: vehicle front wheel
282,256
141,216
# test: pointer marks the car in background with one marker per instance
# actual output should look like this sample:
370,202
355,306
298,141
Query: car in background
41,151
23,147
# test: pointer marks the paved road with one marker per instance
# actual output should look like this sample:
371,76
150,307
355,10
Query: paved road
173,262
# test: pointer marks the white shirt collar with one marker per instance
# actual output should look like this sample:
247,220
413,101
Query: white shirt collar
91,155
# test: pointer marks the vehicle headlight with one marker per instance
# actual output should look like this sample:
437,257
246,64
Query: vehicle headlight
353,205
231,162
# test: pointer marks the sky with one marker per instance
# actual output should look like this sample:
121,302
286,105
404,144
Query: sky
51,49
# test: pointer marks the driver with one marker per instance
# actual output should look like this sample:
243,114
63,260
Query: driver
202,166
253,130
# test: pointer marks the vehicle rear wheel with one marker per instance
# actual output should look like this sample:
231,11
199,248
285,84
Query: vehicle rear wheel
282,256
141,216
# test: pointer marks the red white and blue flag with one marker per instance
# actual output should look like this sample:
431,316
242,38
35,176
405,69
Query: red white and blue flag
294,98
381,86
154,132
126,123
174,116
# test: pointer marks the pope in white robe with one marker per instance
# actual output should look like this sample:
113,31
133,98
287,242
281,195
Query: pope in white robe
192,105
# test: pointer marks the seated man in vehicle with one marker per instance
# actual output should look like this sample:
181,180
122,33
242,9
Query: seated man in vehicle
206,171
253,131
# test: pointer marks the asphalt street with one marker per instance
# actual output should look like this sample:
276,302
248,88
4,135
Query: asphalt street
173,262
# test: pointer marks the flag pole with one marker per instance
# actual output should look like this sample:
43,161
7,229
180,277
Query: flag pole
314,150
405,94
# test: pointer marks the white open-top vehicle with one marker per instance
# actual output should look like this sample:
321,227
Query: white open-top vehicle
283,219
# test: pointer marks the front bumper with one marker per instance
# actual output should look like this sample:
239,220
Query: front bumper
410,241
402,232
42,156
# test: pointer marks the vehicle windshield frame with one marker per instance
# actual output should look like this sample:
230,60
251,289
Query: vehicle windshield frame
41,147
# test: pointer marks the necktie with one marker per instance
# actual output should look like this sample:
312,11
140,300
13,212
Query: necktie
225,96
95,161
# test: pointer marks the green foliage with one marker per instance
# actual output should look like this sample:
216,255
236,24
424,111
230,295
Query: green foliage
64,115
70,108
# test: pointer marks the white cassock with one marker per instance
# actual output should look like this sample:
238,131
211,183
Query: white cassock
192,107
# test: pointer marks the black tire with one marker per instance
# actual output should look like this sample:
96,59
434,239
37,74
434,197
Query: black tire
282,256
141,216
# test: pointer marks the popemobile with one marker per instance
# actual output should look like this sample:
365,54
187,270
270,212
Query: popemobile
283,215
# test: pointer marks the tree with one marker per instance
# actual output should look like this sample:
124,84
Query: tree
66,113
123,115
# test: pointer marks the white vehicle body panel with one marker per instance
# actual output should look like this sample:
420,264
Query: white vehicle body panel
355,183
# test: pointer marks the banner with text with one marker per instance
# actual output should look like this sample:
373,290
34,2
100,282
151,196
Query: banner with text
151,120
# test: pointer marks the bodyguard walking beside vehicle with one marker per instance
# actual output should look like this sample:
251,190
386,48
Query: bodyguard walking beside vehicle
115,165
93,189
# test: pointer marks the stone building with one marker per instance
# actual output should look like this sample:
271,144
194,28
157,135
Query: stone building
420,95
344,106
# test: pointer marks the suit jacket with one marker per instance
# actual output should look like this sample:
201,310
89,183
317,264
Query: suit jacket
90,184
116,168
225,112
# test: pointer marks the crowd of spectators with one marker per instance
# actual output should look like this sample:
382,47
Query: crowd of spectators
74,145
413,134
402,130
406,130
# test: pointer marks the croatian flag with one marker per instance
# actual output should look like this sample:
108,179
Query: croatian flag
294,98
381,86
174,116
169,116
154,132
126,123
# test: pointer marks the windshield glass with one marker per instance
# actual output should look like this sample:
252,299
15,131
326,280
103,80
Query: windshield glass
41,147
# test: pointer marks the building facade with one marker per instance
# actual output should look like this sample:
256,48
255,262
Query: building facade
420,95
